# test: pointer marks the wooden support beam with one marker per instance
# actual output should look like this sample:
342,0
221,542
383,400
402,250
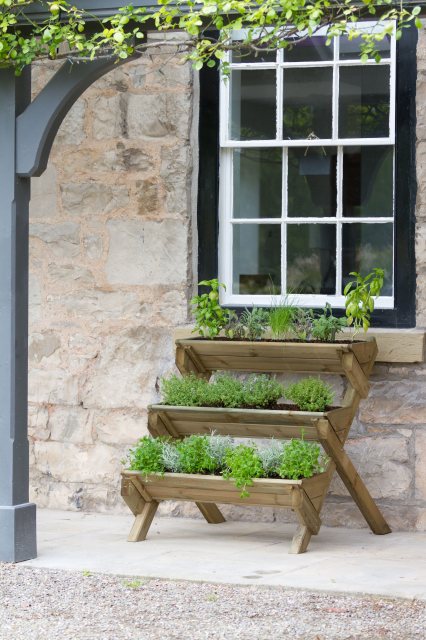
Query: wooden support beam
211,512
355,374
143,522
351,479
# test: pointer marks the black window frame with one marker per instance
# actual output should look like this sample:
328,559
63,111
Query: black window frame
404,313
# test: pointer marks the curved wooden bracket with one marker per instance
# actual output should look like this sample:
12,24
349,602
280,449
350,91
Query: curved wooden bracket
38,125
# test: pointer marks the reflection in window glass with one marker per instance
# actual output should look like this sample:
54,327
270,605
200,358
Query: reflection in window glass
350,49
312,182
257,183
310,49
257,258
366,246
253,108
245,54
364,102
368,181
307,103
311,258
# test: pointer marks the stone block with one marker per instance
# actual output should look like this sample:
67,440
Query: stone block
52,386
149,196
34,294
92,198
157,115
384,465
69,277
69,462
147,252
97,305
120,427
44,194
71,131
420,462
123,375
109,116
42,345
71,424
395,402
38,417
93,246
62,239
176,173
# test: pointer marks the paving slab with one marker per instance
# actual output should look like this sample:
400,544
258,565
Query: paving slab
338,560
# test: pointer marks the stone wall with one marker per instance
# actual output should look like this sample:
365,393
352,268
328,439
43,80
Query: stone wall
111,274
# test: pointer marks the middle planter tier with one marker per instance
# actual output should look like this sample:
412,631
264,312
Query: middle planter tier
178,422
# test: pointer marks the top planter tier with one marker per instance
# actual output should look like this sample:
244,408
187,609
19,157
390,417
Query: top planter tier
352,359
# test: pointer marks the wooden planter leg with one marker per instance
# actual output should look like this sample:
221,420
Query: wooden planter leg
143,522
351,479
309,519
141,505
211,512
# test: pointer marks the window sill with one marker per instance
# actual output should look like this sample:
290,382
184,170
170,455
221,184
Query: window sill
404,346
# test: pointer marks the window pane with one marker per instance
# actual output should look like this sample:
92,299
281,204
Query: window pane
307,103
366,246
253,109
368,181
364,102
311,49
257,258
257,183
312,182
311,258
245,54
350,49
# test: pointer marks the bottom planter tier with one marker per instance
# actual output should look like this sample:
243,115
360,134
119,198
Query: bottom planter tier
305,497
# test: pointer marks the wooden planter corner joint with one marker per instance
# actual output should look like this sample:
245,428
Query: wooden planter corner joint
306,496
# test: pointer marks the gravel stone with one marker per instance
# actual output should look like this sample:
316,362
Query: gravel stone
40,604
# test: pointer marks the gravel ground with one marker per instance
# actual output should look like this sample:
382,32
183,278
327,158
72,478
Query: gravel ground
38,604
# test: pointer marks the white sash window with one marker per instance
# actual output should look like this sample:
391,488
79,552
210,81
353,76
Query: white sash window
307,138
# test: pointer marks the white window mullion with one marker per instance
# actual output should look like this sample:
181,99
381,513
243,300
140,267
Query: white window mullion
225,274
284,216
339,216
280,103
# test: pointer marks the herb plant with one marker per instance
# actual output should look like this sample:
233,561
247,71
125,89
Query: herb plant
281,319
301,459
215,454
194,455
186,391
326,326
242,465
210,317
303,323
147,456
251,325
258,391
359,298
310,394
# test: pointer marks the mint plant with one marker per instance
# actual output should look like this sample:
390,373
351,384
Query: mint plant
147,456
310,394
359,298
194,456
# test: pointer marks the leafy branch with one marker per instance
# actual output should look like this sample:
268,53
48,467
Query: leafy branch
263,25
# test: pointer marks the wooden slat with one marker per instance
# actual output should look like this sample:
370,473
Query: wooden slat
280,432
271,365
305,510
214,483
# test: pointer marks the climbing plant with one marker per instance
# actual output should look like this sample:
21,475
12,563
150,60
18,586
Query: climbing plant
64,30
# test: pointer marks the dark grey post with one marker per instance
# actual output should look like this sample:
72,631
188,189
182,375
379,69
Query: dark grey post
17,515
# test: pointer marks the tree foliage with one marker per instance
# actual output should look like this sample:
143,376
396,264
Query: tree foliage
68,31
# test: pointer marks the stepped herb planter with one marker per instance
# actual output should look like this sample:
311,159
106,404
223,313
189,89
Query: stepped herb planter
354,360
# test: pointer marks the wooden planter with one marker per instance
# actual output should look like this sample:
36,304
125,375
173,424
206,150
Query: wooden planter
144,493
354,360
